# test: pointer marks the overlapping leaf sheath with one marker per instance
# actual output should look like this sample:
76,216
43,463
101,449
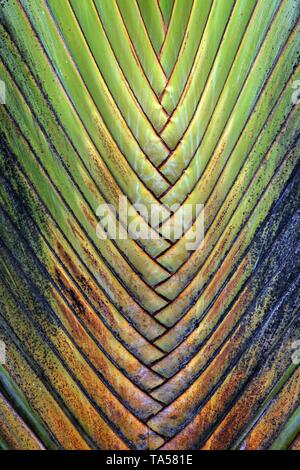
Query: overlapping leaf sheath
145,344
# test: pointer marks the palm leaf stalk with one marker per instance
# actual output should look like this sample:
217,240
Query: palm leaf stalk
124,343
